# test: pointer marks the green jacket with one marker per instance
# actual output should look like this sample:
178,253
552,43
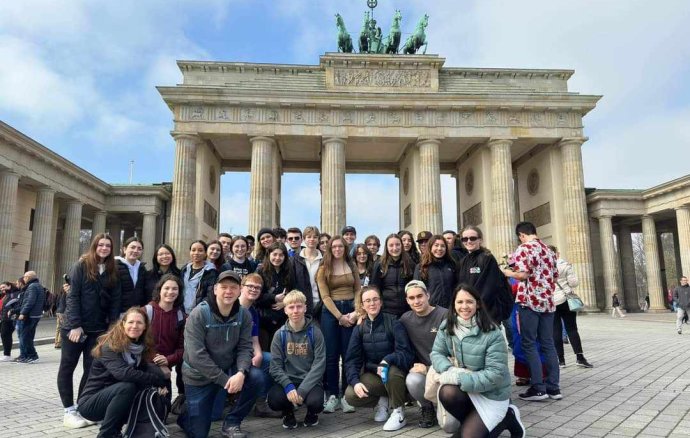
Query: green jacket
485,354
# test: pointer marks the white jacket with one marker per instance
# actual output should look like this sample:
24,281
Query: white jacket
567,281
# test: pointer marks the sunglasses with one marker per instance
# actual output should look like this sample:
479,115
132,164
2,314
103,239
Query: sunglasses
293,239
469,239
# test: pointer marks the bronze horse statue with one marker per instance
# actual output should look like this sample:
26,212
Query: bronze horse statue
344,38
393,40
418,39
364,34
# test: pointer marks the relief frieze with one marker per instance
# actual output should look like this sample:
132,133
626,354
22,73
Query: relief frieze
382,78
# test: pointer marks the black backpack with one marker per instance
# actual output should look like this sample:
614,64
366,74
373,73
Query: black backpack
147,416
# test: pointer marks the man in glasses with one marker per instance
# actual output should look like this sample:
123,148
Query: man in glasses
251,289
294,241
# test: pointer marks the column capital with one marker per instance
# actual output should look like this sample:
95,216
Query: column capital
45,189
334,139
424,140
9,172
567,141
605,216
149,213
499,141
268,138
682,207
178,135
74,202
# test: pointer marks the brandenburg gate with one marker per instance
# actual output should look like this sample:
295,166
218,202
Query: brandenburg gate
511,137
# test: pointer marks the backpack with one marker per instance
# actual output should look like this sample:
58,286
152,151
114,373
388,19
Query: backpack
147,416
283,338
149,313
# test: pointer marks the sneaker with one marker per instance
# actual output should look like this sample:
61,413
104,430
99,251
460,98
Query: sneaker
513,422
381,410
310,420
554,395
428,417
32,360
6,359
19,359
561,363
74,420
347,407
331,404
533,395
228,431
396,421
289,421
262,410
566,340
582,362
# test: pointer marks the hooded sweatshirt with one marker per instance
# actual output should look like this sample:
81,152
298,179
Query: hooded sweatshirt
301,364
168,333
192,294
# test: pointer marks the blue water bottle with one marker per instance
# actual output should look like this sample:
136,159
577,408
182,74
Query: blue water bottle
384,374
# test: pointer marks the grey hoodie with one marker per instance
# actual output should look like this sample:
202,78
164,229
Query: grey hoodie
301,364
210,352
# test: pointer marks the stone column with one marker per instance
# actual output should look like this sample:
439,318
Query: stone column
261,184
149,236
333,203
69,253
99,222
579,248
502,198
9,183
183,216
632,299
116,234
683,220
40,259
651,252
429,208
608,252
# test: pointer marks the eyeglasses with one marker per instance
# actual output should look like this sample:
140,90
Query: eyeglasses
371,300
252,287
470,239
294,238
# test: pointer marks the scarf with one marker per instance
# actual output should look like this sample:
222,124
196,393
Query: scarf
464,327
133,354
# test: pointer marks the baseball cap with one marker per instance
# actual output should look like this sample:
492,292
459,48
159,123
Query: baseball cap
229,275
415,283
265,231
423,235
348,229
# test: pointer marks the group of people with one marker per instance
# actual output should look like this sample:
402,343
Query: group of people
317,321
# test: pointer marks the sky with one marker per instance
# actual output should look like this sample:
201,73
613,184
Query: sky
79,77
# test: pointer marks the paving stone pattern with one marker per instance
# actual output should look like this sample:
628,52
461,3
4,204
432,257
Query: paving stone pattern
639,387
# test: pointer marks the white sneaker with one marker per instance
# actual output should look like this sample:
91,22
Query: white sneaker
347,407
331,404
381,410
6,359
73,420
396,421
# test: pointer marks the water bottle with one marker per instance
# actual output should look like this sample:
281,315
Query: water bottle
384,374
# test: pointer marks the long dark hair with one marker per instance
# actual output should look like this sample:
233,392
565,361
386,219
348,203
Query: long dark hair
327,264
414,252
157,290
219,261
405,261
173,264
428,258
285,274
369,264
91,260
484,320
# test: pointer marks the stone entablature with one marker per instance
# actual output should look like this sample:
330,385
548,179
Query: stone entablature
144,199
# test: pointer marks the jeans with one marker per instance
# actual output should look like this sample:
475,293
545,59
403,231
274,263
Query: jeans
26,331
570,322
6,330
415,383
337,340
69,359
111,406
222,395
196,421
538,326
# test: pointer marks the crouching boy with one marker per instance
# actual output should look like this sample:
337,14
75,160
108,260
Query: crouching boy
298,361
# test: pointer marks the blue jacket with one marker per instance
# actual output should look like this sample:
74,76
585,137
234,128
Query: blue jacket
31,300
371,343
484,354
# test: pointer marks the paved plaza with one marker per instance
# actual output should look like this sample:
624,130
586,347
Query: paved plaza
639,387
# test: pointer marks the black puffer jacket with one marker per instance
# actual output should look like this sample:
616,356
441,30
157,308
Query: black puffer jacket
302,280
132,294
480,269
375,341
392,287
152,278
440,281
10,303
91,305
32,299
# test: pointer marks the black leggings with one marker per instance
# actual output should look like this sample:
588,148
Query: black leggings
6,330
68,363
111,406
570,320
459,405
278,401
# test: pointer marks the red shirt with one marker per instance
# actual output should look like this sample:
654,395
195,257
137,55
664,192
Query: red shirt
539,262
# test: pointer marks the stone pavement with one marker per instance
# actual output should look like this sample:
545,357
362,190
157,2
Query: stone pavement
639,387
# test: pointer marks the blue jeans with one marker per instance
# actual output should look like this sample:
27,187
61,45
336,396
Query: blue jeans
337,340
26,331
266,383
196,421
537,326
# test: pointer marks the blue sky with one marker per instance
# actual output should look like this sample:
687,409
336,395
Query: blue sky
79,76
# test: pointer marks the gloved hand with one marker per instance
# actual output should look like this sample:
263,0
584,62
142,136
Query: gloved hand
451,376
